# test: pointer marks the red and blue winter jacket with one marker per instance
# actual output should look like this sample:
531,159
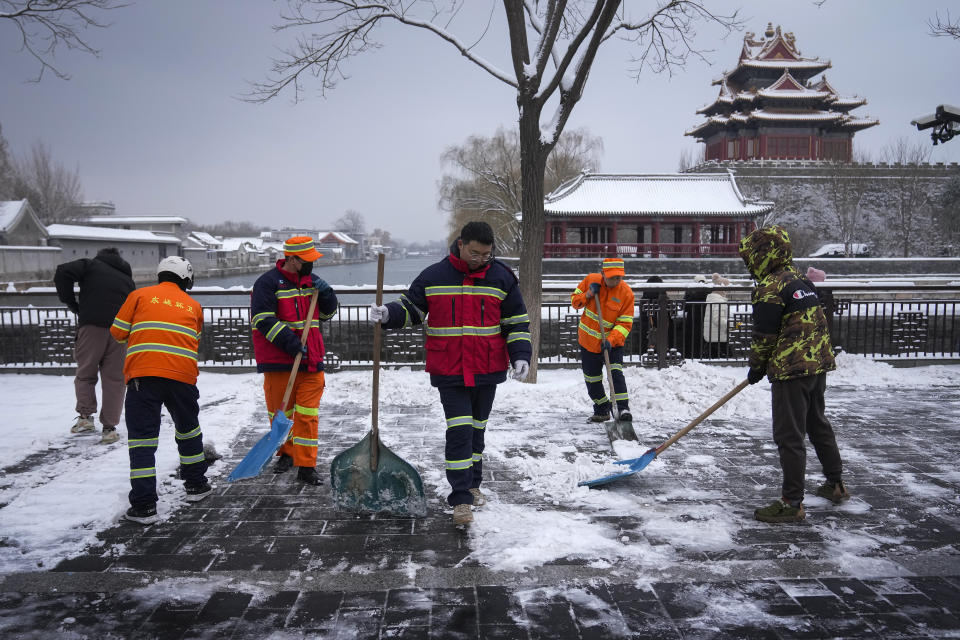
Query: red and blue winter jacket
476,322
279,303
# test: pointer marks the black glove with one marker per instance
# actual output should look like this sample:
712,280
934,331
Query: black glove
605,345
594,288
754,375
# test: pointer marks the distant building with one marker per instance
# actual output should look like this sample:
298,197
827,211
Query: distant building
24,254
142,249
769,107
172,225
20,226
669,215
339,244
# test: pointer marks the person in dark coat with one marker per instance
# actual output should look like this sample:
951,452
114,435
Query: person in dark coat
105,282
476,326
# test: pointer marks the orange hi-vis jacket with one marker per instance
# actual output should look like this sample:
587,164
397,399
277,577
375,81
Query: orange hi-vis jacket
161,326
617,306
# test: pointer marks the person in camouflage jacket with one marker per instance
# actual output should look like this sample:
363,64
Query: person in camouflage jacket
791,347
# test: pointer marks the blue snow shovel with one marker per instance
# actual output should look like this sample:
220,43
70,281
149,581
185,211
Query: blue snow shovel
634,465
260,454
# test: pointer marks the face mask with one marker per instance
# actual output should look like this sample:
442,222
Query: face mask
306,268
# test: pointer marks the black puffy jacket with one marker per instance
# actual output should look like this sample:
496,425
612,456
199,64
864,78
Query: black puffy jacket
105,282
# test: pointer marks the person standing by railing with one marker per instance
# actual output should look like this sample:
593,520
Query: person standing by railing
477,324
716,318
279,303
791,346
615,299
105,282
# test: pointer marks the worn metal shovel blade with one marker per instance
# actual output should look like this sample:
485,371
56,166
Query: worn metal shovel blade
394,487
620,430
633,465
261,453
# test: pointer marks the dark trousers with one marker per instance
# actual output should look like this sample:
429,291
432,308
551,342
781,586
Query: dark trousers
145,399
466,410
798,411
595,377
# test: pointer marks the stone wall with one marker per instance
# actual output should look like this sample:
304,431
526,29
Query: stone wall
29,264
808,193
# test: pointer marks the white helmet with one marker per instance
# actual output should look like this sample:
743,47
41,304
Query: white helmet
178,266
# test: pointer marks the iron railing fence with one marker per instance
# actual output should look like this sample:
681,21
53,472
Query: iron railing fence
888,322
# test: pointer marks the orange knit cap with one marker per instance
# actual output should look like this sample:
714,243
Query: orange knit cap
302,247
613,267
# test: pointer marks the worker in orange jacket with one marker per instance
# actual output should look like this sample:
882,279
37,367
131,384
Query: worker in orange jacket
161,326
616,302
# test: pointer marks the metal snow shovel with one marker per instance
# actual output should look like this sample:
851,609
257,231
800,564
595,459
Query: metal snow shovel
618,429
260,454
638,464
368,477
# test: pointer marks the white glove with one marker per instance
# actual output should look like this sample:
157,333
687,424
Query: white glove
520,370
379,314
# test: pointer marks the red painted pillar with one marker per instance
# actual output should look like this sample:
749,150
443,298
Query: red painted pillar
695,238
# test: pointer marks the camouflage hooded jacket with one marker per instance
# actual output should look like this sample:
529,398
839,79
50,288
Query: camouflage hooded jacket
790,334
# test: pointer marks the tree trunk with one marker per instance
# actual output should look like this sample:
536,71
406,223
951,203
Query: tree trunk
533,163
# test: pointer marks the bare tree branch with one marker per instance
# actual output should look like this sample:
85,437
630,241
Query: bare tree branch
43,25
346,31
945,28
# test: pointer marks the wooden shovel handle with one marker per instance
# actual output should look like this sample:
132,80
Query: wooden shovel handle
296,360
703,416
377,339
615,410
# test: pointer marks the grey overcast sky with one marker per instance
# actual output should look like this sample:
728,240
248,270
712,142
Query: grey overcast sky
155,124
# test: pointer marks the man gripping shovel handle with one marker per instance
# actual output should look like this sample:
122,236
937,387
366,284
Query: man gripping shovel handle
261,453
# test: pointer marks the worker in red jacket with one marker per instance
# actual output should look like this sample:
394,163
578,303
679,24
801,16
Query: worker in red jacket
161,327
279,303
476,326
616,303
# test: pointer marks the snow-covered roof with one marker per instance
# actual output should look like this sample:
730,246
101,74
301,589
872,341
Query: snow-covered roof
234,244
652,194
205,238
335,236
80,232
12,210
108,220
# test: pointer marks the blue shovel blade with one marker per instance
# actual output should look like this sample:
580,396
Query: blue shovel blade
260,454
633,465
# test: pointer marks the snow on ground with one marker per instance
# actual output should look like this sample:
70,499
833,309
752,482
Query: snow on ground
57,491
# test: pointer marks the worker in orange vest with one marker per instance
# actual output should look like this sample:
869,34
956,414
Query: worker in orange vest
616,302
161,326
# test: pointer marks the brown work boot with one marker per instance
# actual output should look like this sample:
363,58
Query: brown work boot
835,492
478,498
462,514
780,511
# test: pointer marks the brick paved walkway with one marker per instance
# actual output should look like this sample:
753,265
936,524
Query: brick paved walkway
269,558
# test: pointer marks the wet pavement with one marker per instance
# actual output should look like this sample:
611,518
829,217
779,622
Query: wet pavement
270,558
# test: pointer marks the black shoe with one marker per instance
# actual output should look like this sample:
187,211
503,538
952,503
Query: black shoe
626,416
197,492
600,417
284,464
309,475
142,515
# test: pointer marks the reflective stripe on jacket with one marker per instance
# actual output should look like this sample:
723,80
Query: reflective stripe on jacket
279,303
617,306
476,322
161,326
